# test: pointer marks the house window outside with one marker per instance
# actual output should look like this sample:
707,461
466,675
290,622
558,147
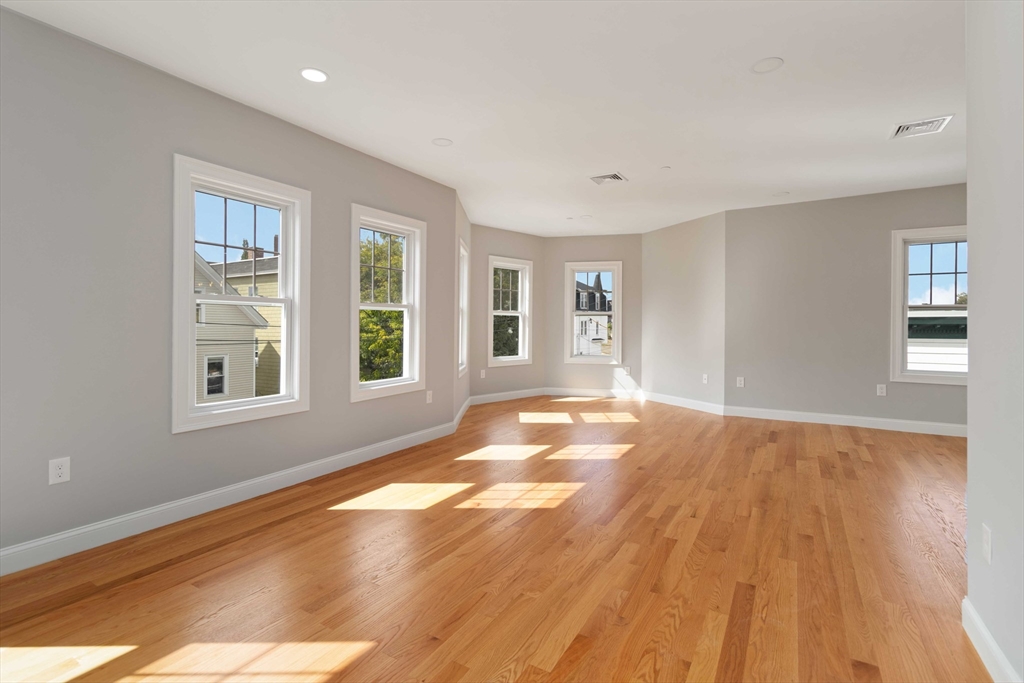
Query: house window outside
389,287
463,332
592,308
509,335
929,307
216,375
241,270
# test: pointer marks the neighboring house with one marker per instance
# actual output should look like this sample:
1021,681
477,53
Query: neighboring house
937,338
226,342
258,277
593,319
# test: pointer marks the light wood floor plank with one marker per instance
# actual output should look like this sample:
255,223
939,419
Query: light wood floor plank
681,546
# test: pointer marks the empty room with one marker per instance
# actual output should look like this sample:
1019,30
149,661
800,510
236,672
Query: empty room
478,341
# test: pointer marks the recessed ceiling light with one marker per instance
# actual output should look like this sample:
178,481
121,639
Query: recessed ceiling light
442,142
315,75
767,65
586,216
780,194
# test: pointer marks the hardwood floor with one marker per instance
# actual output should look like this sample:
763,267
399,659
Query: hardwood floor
620,542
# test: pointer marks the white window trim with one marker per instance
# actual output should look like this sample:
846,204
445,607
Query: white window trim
206,374
525,269
898,320
462,312
296,210
570,304
415,342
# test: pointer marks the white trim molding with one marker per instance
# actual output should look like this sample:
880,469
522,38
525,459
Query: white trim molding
992,656
899,310
913,426
31,553
414,303
569,323
462,310
525,269
295,205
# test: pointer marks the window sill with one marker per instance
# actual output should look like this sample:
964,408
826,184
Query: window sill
592,360
516,360
929,378
218,417
372,390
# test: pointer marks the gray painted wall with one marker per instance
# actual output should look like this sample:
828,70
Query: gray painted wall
495,242
684,310
559,250
807,305
995,396
85,285
549,256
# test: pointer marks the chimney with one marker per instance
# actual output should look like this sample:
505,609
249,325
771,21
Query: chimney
276,250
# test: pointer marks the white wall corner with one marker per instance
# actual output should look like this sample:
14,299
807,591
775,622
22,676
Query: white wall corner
991,654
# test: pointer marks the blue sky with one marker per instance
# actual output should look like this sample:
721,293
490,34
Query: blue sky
924,259
241,218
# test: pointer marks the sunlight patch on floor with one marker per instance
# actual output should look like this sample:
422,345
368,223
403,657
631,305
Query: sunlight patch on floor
58,664
494,452
403,497
608,451
313,662
576,399
523,495
545,418
608,417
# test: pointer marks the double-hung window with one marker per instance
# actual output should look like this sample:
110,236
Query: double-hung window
593,310
509,340
929,306
241,283
388,289
463,312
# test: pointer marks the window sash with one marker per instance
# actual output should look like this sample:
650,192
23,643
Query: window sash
577,303
524,293
902,240
192,176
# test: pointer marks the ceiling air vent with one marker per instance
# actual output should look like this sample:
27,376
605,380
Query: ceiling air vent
610,178
926,127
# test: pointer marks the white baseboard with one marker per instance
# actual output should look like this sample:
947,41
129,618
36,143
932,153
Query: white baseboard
31,553
915,426
692,404
553,391
462,412
992,656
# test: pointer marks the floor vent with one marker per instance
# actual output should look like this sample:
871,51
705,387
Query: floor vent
610,178
926,127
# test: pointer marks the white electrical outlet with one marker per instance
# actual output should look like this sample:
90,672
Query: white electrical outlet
626,369
739,382
430,397
705,380
986,543
880,390
483,373
60,470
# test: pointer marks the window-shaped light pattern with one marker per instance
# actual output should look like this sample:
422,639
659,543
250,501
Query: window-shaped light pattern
238,341
937,307
593,324
383,305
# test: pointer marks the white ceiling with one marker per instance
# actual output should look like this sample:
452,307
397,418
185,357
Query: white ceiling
538,97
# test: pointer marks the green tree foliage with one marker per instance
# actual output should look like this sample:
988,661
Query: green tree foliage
380,344
961,298
506,335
